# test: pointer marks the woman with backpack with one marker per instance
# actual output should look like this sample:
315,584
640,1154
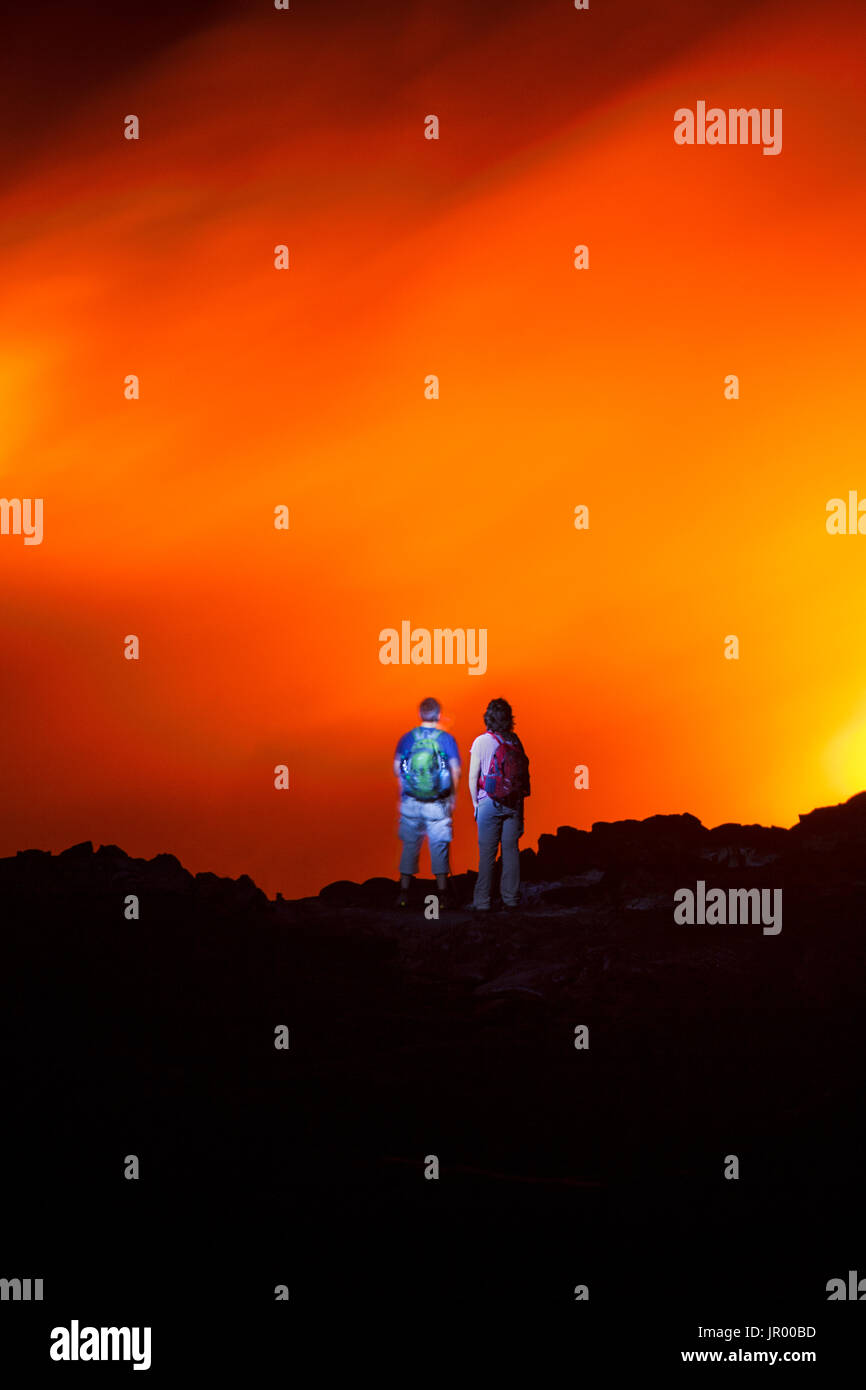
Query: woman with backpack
498,783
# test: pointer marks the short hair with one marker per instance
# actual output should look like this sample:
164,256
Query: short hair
499,718
429,708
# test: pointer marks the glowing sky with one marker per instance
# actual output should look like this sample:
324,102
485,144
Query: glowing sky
306,387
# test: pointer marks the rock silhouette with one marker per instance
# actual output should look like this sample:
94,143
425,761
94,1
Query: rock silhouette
455,1037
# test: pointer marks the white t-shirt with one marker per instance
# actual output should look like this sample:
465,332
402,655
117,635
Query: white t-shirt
485,746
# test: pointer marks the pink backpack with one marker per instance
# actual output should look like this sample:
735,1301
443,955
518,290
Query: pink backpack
507,780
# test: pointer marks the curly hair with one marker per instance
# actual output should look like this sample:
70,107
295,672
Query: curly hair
499,718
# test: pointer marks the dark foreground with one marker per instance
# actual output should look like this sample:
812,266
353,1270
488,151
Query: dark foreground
559,1167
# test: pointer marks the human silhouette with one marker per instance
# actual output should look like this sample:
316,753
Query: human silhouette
427,767
498,785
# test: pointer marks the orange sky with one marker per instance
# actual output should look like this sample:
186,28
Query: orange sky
558,387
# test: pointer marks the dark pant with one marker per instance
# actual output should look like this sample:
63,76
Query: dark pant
498,823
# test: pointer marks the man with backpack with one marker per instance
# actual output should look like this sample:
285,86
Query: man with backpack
427,766
498,784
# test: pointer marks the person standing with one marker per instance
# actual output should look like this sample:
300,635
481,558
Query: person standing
498,785
427,766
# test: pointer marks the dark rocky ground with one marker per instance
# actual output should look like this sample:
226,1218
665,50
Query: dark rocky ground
454,1037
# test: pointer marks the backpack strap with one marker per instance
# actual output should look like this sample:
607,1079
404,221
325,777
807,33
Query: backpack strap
481,776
